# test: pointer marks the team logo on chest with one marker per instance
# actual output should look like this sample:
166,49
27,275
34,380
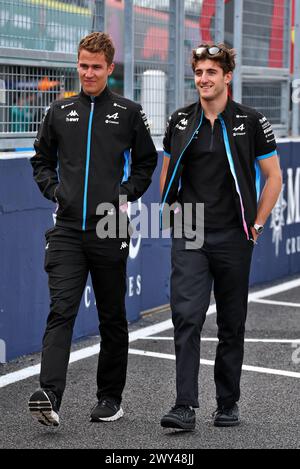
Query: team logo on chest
112,119
240,130
73,116
182,124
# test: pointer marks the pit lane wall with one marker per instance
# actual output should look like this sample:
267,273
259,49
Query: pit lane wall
25,216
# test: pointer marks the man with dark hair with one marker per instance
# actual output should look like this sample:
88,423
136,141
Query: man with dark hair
214,150
83,152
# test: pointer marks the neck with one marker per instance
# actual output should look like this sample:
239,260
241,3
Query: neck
94,95
213,108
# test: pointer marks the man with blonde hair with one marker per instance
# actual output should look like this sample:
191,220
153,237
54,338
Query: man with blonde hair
91,149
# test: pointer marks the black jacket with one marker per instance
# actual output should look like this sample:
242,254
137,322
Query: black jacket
91,151
248,137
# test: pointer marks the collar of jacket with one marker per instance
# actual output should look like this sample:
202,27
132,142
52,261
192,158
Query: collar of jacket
106,94
195,117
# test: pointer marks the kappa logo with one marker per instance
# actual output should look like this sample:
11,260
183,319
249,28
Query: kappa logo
182,125
112,118
73,116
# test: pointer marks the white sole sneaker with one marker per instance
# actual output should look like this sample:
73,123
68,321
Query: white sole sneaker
41,409
114,417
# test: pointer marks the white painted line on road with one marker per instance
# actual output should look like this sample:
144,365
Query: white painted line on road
81,354
215,339
16,376
257,369
277,303
28,372
274,290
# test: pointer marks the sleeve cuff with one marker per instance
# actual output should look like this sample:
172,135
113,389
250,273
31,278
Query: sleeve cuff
267,155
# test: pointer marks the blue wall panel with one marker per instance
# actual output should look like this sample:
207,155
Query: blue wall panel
25,215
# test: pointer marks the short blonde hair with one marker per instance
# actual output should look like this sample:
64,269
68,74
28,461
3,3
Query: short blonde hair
98,42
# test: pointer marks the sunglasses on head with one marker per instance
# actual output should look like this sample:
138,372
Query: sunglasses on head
211,50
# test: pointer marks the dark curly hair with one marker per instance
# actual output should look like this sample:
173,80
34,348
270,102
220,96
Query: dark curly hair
225,58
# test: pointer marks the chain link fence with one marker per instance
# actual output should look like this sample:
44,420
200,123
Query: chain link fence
153,40
199,28
266,49
45,25
152,60
26,93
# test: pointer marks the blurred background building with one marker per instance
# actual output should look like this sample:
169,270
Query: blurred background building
153,39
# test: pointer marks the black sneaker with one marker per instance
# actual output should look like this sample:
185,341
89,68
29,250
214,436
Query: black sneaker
107,410
180,416
43,406
226,417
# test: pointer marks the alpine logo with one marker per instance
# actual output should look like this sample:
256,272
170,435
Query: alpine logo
112,118
241,130
73,116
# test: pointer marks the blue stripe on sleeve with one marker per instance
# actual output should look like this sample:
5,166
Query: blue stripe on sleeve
268,155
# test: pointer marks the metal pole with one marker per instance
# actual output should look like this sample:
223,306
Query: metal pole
171,78
238,45
220,21
129,50
99,16
179,56
296,81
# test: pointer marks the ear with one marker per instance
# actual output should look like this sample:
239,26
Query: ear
110,69
228,78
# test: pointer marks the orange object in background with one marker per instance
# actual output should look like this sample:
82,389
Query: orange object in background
45,84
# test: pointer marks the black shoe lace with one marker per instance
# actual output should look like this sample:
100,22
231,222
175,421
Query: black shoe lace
181,410
108,403
222,410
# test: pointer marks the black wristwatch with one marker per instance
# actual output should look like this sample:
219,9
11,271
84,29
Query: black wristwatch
258,228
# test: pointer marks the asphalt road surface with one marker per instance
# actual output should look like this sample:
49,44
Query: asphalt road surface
269,405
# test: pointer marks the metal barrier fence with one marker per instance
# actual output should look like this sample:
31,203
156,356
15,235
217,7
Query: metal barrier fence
29,91
264,46
153,39
46,25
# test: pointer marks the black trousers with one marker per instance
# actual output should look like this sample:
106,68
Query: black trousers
223,261
70,255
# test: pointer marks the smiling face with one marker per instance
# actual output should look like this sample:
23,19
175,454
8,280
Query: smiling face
93,71
210,80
